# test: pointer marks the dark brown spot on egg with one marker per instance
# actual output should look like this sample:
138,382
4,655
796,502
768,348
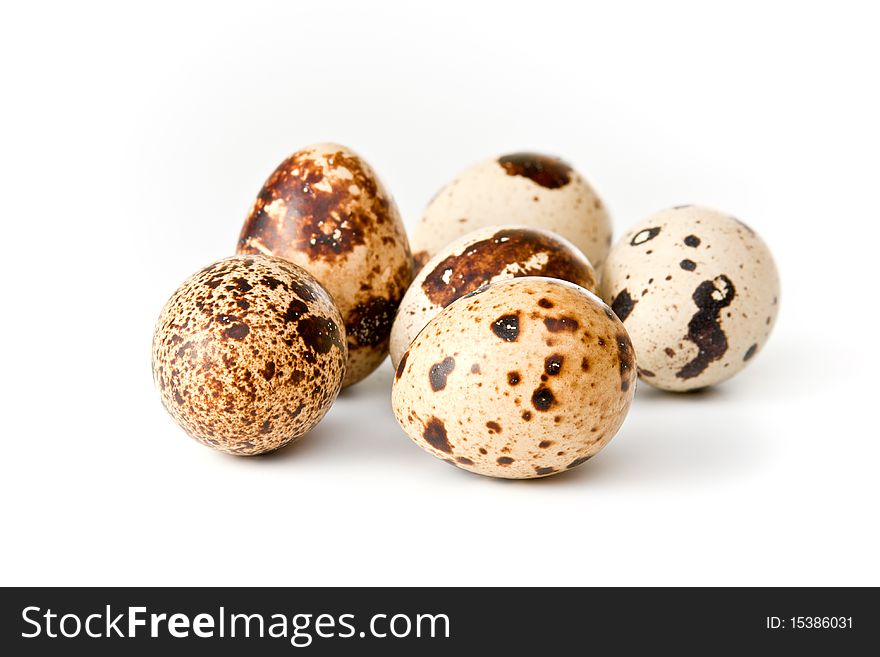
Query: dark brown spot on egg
513,378
578,462
543,399
302,290
688,265
544,444
626,360
268,371
692,241
646,373
237,331
464,460
475,368
704,328
483,260
750,352
271,282
504,460
527,415
544,471
623,305
320,334
295,310
585,364
645,235
493,427
557,324
435,435
553,364
439,371
506,327
401,365
239,285
545,303
369,323
549,172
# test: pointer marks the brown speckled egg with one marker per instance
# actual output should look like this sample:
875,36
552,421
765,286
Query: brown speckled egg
325,210
249,354
698,292
523,378
519,188
484,256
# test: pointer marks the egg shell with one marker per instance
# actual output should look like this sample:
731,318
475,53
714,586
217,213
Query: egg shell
698,292
523,378
519,188
249,354
325,210
483,256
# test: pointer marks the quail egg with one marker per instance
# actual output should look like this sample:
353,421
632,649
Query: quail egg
519,188
325,210
698,292
522,378
249,354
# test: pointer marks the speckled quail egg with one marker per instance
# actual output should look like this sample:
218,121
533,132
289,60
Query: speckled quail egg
325,210
483,256
522,378
698,292
249,354
519,188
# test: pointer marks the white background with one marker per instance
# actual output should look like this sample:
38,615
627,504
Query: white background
134,141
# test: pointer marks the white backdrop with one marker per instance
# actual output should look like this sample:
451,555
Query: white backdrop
135,138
